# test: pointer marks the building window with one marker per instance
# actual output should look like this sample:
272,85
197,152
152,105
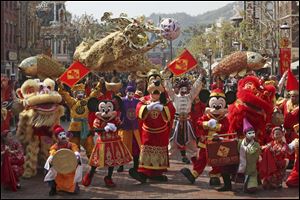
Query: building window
11,33
6,32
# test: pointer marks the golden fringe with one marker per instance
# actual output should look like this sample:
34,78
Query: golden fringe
25,133
31,158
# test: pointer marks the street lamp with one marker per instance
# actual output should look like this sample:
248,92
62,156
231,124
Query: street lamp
209,55
285,28
236,44
285,51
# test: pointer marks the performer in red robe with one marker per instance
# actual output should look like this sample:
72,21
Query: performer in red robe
6,98
274,161
155,113
293,179
13,159
290,109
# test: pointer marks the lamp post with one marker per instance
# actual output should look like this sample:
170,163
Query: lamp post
209,55
285,51
236,44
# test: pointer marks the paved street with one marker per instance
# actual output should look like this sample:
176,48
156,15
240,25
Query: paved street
177,187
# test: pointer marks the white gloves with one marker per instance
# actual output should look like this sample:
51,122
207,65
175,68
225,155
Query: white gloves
110,127
155,106
212,123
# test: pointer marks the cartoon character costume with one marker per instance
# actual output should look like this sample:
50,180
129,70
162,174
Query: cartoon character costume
214,121
155,113
109,150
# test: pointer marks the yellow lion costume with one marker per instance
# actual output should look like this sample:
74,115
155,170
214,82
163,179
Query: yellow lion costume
41,112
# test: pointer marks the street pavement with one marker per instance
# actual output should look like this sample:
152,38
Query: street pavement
177,187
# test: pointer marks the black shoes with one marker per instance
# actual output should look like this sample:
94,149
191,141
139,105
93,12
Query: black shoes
214,181
227,183
186,160
52,192
120,169
137,176
161,178
187,173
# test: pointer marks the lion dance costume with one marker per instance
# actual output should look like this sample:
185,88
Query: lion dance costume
42,111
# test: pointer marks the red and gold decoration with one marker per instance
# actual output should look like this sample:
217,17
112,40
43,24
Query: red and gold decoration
74,74
285,59
183,63
222,153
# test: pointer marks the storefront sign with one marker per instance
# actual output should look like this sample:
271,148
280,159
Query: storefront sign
12,56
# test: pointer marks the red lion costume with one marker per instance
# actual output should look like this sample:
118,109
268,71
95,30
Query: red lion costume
255,102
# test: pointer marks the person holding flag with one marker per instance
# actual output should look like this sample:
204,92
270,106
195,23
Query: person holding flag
290,109
77,103
183,132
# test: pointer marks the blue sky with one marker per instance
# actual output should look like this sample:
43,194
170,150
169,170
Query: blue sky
138,8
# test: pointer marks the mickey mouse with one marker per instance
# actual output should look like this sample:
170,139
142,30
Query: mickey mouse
213,122
109,150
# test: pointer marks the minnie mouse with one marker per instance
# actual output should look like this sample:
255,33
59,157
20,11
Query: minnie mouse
109,150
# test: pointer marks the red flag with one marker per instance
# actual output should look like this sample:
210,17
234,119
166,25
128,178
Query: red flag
285,59
183,63
74,74
291,83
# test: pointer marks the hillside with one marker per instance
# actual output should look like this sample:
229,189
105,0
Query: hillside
206,18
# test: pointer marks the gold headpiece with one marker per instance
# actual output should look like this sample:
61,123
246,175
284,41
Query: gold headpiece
78,87
295,92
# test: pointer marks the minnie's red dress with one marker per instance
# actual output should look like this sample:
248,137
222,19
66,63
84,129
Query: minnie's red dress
109,150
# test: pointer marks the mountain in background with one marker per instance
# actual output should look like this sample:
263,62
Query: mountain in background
206,18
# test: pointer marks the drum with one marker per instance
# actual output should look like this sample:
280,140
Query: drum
64,161
222,153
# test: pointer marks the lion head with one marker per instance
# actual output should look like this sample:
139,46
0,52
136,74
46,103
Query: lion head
41,101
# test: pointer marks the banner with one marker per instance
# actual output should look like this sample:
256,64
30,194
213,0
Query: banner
74,74
285,59
183,63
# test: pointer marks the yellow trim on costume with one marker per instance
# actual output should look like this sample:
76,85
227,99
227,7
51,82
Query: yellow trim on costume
167,110
201,145
158,130
141,111
217,94
218,127
205,124
101,156
195,174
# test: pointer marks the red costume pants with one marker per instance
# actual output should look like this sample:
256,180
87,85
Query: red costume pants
200,162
